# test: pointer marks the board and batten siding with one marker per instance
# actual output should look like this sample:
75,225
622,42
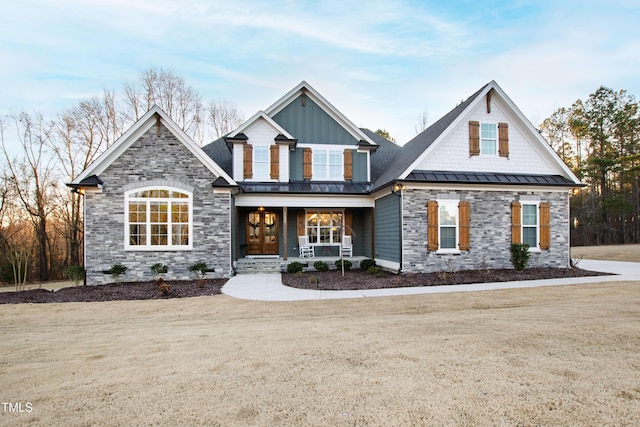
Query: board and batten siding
311,124
387,231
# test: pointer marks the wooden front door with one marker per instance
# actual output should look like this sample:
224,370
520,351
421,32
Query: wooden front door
262,233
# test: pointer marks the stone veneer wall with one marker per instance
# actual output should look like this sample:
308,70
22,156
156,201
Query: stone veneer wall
490,231
164,161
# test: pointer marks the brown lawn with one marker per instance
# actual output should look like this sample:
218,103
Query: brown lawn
565,355
630,253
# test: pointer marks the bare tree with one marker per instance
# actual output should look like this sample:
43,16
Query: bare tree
31,178
223,116
171,93
423,122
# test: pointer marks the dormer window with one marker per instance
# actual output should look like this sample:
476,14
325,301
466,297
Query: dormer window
261,165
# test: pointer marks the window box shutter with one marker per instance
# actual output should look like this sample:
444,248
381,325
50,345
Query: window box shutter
474,138
432,225
275,161
300,224
348,164
464,213
307,164
348,222
248,161
503,139
545,225
516,222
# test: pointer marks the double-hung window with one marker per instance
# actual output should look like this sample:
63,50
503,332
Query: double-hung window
448,224
530,224
158,218
328,164
261,163
488,139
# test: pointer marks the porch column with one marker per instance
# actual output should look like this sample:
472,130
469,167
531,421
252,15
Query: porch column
284,233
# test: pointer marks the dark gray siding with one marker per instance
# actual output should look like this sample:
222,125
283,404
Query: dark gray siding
312,125
387,228
359,167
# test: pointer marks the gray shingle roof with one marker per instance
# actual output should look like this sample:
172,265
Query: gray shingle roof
414,148
384,154
220,153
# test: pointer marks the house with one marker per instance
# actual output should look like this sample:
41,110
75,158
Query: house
454,197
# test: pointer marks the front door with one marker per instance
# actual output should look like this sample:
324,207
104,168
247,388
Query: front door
262,233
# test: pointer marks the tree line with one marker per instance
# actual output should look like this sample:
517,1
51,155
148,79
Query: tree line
599,139
41,221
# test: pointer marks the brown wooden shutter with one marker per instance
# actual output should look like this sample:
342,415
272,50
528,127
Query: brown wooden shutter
503,139
248,161
474,138
545,225
516,222
432,225
348,222
464,216
348,164
275,161
301,226
307,163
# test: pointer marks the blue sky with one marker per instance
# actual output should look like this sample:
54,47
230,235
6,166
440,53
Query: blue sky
381,63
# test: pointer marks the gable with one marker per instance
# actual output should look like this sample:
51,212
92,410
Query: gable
311,124
154,122
452,153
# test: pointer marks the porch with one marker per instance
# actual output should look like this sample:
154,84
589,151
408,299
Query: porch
276,264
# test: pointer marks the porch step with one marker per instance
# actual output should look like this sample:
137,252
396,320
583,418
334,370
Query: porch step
257,265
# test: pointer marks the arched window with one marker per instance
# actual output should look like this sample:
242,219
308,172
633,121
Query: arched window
158,218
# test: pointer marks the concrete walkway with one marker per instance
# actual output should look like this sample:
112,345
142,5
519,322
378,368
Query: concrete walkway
269,287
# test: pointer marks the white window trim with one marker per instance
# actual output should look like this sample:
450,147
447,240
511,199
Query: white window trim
456,249
495,154
149,247
327,166
537,226
330,212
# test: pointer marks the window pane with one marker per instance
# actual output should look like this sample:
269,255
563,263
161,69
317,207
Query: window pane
137,212
179,212
319,164
180,234
529,215
529,236
137,234
159,234
488,130
448,237
447,214
488,147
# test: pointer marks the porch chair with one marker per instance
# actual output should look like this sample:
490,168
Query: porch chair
346,247
306,250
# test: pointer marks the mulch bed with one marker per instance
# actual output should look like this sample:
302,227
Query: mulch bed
115,292
359,279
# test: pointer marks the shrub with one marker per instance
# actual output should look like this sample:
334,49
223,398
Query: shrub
200,269
116,271
75,273
295,267
376,271
366,264
519,256
163,287
321,266
347,264
159,269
